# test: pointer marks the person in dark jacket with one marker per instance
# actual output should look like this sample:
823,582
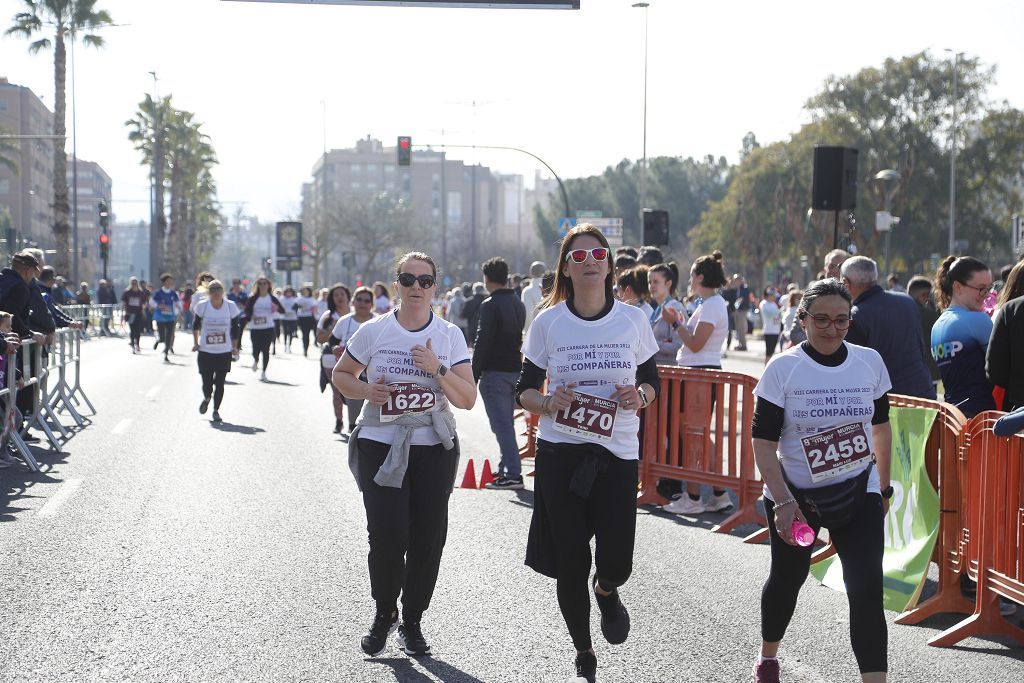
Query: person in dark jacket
16,296
471,310
497,363
889,323
1004,359
105,296
48,289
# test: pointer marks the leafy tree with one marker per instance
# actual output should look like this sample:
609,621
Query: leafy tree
374,227
67,20
148,131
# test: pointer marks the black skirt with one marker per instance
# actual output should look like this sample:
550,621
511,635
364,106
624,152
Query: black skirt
212,362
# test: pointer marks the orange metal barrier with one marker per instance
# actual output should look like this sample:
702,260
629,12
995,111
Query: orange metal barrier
992,473
699,430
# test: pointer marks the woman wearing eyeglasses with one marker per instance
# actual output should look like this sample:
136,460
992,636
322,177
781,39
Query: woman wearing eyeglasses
260,308
822,441
343,330
702,337
404,452
597,355
961,334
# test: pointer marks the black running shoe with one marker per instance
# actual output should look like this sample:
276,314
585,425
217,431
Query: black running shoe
410,638
614,617
203,406
375,642
586,666
215,417
337,426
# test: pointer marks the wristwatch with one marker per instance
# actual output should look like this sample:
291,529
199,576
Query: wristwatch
887,492
643,397
442,370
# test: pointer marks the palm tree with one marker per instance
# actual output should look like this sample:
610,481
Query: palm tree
189,155
68,19
148,132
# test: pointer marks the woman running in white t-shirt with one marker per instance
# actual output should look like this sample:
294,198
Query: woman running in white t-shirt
215,334
259,312
597,355
306,314
344,328
404,452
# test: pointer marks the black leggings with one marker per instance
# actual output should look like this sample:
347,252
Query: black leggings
770,341
859,545
289,327
166,332
408,526
213,385
306,324
608,513
261,341
136,321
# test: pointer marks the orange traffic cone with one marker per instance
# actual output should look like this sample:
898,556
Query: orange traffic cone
469,481
486,477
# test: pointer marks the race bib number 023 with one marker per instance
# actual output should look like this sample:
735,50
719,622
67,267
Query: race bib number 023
836,451
213,338
589,417
407,399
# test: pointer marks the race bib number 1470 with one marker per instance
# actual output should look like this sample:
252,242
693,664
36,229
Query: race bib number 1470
589,417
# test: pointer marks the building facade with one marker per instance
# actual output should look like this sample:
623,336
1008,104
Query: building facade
94,185
26,191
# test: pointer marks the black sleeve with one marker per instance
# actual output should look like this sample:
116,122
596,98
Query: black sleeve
881,415
647,373
997,356
333,341
236,327
485,333
530,377
768,419
197,322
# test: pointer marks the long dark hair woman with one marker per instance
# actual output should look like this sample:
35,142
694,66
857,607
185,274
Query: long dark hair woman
404,450
824,468
260,309
597,355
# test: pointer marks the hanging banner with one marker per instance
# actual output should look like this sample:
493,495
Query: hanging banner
912,525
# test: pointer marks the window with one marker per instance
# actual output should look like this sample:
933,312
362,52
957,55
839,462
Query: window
371,187
454,207
406,183
389,168
3,105
371,169
5,185
355,169
356,185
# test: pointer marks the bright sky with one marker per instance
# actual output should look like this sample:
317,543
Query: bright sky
567,86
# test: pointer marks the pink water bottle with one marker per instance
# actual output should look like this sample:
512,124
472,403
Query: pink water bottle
802,534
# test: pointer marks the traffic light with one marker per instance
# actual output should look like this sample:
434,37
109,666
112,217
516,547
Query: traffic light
104,245
104,216
404,150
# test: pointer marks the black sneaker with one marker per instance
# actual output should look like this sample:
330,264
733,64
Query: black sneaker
614,617
506,484
376,641
337,426
586,666
410,638
215,417
203,406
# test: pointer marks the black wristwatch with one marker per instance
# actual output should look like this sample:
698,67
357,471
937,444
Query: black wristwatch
887,492
442,370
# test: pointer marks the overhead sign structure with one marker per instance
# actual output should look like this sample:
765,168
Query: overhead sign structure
486,4
611,228
289,240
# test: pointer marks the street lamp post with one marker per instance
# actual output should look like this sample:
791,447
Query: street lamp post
890,181
643,163
952,161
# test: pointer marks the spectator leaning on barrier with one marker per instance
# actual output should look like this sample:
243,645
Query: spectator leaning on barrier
16,296
889,323
531,296
496,366
1004,359
46,284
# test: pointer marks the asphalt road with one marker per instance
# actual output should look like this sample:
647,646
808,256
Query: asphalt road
160,547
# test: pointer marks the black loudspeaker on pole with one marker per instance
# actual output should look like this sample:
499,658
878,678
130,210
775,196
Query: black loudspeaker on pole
834,186
655,228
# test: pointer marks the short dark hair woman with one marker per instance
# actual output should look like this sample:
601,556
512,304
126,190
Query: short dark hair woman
404,451
822,443
597,355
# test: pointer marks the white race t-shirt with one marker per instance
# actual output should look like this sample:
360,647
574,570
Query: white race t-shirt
596,355
289,307
715,311
198,297
215,335
307,306
262,314
385,348
345,328
382,304
531,299
818,399
771,317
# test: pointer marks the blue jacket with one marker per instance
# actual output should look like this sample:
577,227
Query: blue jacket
959,342
890,323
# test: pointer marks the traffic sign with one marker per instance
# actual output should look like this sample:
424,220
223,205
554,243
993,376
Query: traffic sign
589,214
285,263
289,240
611,228
564,226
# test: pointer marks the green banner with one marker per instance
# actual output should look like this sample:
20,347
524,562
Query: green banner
912,525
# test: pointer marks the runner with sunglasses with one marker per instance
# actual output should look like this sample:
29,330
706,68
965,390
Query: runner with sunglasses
259,312
215,334
404,452
597,355
822,442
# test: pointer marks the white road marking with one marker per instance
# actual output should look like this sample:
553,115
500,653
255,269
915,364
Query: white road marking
168,373
122,426
154,391
66,490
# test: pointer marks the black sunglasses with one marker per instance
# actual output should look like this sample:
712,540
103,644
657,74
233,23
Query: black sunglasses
407,280
363,300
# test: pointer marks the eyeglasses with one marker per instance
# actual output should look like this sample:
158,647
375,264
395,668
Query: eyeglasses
984,289
599,254
407,280
362,300
822,322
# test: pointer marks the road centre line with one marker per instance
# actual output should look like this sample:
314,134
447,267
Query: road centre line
66,490
154,391
168,372
122,426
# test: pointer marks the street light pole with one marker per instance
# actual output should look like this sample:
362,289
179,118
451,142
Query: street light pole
952,161
643,164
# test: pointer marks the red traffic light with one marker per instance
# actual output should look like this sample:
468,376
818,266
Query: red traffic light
403,143
104,238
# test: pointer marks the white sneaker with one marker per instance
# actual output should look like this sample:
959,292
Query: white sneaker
684,506
263,377
255,365
718,503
